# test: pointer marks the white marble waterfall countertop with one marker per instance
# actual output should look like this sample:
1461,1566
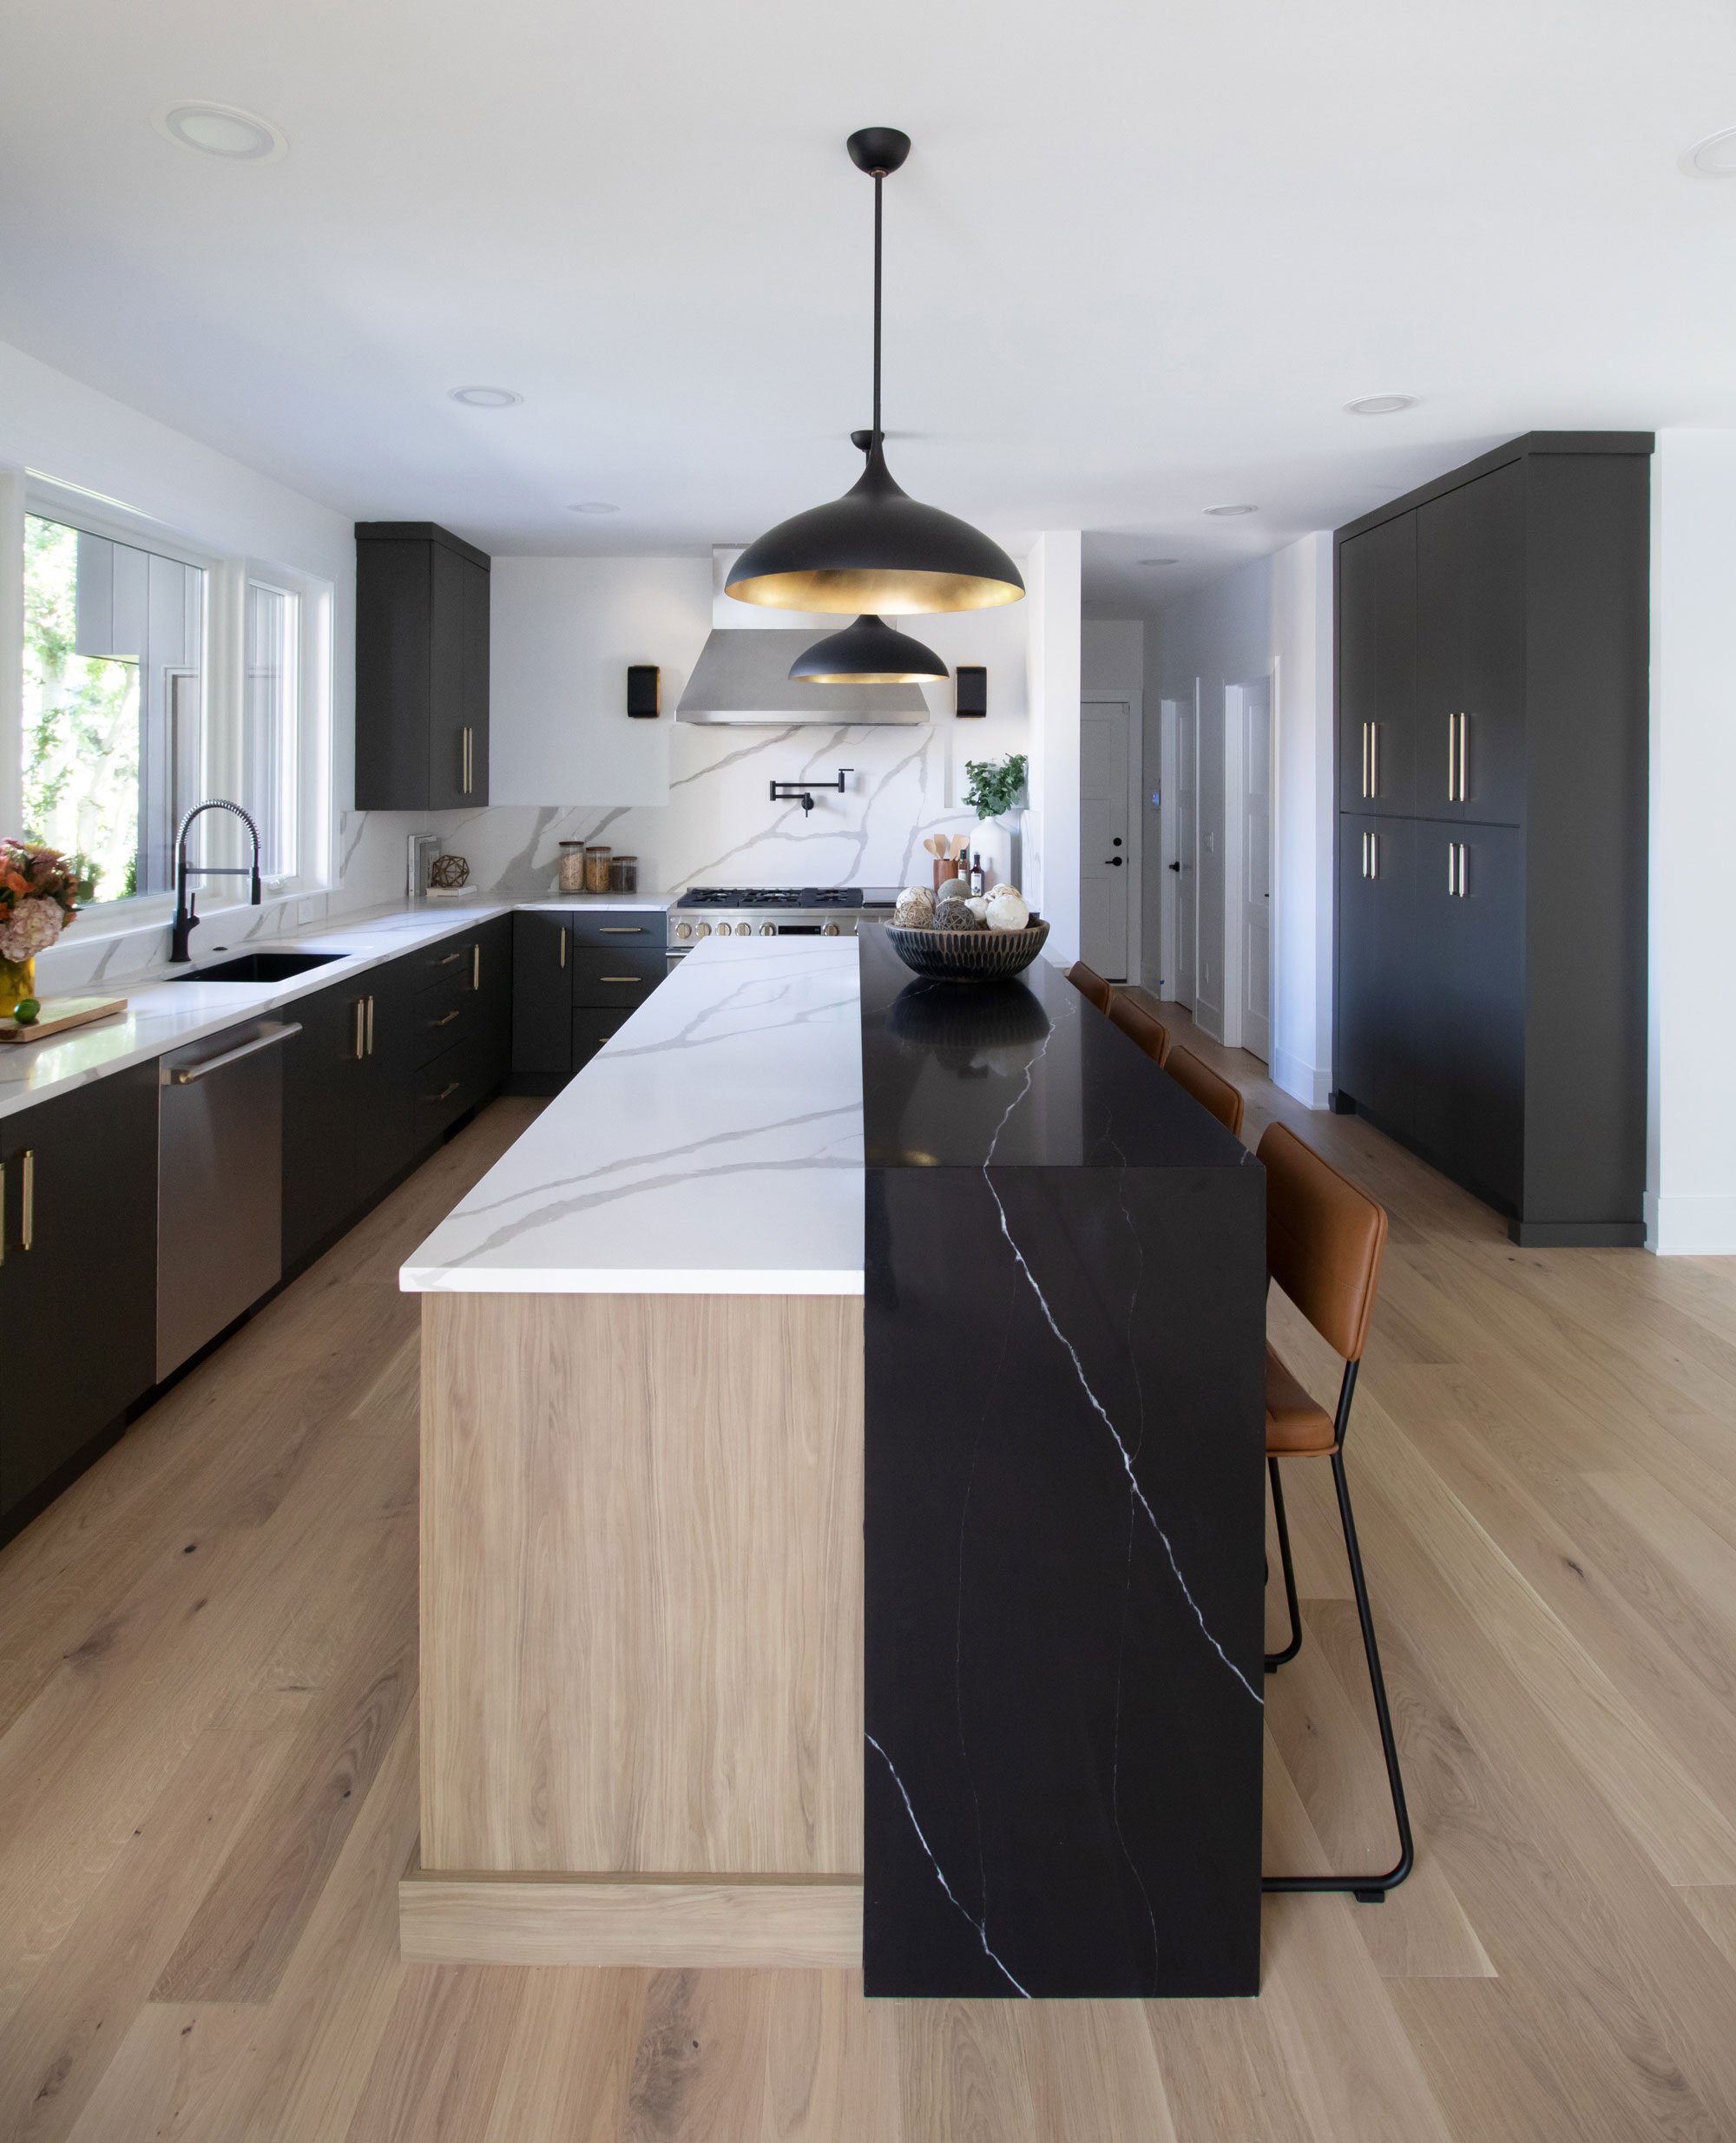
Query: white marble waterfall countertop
162,1013
713,1147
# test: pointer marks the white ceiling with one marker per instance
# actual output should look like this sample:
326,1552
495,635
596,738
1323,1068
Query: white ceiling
1140,257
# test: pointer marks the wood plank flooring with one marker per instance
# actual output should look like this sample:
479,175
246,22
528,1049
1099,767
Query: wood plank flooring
208,1766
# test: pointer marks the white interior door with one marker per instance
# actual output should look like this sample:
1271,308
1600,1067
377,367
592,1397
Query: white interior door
1256,871
1103,873
1187,857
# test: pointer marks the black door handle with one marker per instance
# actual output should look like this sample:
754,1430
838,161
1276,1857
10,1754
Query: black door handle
1176,866
1114,859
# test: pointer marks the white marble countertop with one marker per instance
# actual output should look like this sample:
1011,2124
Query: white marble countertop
713,1146
163,1014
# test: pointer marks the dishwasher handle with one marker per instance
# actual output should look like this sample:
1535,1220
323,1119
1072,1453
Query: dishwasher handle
267,1038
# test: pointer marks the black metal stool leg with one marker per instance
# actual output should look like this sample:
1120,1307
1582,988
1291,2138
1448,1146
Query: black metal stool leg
1275,1660
1367,1890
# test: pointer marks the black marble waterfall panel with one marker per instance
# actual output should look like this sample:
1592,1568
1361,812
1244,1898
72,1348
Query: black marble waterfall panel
1064,1513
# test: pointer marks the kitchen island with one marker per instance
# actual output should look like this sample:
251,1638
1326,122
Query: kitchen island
645,1605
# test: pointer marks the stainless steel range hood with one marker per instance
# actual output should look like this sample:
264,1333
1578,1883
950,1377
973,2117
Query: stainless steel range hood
743,675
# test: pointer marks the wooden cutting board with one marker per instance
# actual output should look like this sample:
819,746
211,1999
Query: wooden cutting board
60,1013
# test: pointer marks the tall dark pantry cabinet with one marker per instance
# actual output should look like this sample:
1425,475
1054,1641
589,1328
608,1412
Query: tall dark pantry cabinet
1492,747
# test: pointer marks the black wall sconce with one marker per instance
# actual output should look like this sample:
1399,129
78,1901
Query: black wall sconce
971,680
644,691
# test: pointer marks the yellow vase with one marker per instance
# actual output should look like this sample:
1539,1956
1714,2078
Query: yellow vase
18,981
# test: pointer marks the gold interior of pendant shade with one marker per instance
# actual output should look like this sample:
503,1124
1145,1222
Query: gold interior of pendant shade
888,594
874,677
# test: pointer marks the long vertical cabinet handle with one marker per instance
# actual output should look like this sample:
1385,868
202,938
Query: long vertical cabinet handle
1462,868
3,1213
1464,738
563,944
370,1025
1374,855
476,966
465,761
1452,758
1365,758
1374,759
359,1039
27,1198
1452,870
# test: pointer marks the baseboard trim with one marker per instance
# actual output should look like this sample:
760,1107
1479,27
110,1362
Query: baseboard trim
1578,1234
1307,1083
659,1922
1692,1227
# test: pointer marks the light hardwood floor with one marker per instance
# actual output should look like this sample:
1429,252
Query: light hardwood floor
207,1752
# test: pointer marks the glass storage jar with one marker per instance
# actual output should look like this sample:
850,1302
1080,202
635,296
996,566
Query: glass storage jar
572,866
623,874
596,869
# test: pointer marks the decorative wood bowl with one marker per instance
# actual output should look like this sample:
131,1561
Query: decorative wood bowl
968,955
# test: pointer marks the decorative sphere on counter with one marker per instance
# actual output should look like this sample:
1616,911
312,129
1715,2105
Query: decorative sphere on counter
914,908
1007,911
1001,887
978,905
955,915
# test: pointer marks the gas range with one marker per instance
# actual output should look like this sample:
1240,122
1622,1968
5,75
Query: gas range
775,911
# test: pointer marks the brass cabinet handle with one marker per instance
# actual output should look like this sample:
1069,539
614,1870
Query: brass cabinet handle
466,759
1365,758
449,959
448,1091
1374,759
370,1027
621,930
1464,738
27,1198
447,1019
563,948
361,1044
1452,758
619,978
477,966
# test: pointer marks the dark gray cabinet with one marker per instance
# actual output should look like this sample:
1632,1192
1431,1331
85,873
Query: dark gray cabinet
1377,669
577,977
1490,1003
421,668
78,1181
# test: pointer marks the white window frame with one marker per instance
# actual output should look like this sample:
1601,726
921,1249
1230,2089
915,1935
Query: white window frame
223,661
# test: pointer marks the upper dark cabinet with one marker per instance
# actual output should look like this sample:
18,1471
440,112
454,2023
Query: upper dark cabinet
1378,668
421,668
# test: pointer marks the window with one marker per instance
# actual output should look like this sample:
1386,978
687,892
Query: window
113,660
270,744
155,676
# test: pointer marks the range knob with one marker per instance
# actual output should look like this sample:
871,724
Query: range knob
684,929
830,931
766,929
744,930
702,930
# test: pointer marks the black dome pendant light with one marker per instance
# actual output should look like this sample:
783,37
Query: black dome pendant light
870,652
876,549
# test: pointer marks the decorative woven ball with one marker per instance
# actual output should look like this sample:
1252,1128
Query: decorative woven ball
954,915
915,907
449,873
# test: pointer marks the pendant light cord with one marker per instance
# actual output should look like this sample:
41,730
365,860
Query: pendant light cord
877,181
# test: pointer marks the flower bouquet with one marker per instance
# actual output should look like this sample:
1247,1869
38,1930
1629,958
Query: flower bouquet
40,890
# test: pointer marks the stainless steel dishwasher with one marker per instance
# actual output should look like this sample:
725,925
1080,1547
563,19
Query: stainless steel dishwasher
220,1197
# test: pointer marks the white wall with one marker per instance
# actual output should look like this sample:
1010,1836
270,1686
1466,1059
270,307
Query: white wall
1271,618
1691,1191
1052,578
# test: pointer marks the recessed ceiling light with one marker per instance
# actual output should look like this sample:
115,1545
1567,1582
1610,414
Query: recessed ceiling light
221,130
1380,405
1225,512
1159,561
484,398
1714,158
593,506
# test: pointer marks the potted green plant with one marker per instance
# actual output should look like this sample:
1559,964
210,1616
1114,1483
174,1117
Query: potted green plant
995,792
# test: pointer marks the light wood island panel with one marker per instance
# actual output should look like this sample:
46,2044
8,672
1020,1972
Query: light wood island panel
641,1595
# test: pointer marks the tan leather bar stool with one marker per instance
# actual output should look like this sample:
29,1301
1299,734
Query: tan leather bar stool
1135,1022
1089,983
1207,1089
1324,1239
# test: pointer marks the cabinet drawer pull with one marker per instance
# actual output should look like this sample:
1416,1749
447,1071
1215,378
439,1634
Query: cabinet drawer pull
619,978
27,1198
448,1090
449,959
446,1018
621,930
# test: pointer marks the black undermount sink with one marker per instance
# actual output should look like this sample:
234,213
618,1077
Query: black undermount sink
258,967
